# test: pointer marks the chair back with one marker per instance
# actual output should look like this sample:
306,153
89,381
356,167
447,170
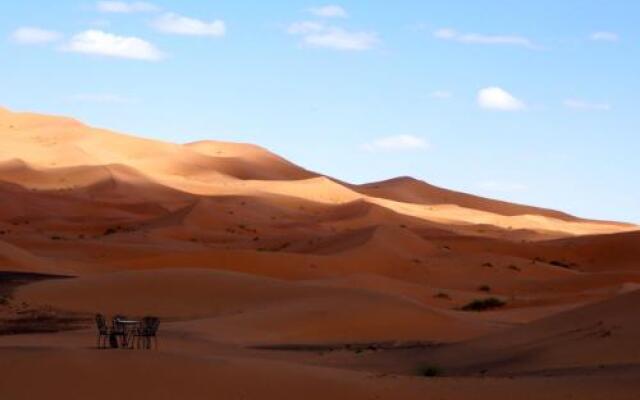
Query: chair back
117,326
101,323
150,325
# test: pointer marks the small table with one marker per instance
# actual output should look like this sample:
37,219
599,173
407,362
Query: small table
128,326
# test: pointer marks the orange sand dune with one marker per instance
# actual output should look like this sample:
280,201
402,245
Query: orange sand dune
253,309
81,374
212,168
411,190
598,336
234,246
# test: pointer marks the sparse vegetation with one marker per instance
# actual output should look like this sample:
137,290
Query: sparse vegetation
430,371
38,321
514,267
484,304
484,288
560,264
442,295
487,265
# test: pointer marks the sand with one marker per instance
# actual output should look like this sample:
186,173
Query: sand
272,281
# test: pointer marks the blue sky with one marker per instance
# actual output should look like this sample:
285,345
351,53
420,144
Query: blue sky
528,101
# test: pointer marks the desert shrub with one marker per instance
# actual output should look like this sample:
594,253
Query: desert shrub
110,231
560,264
430,371
484,304
442,295
484,288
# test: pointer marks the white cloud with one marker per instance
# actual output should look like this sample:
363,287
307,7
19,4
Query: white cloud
604,36
107,44
316,34
581,105
32,35
441,94
397,143
329,11
124,7
101,98
180,25
340,39
477,38
495,98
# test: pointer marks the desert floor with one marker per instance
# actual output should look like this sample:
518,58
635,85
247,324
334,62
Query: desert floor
272,281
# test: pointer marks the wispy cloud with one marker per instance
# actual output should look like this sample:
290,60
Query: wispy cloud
441,94
32,36
483,39
603,36
498,99
124,7
317,34
329,11
101,98
581,105
181,25
107,44
397,143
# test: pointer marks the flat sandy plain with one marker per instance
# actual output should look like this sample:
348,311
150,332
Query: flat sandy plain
275,282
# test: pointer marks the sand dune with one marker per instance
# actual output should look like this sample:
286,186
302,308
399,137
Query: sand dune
252,309
409,190
234,246
598,336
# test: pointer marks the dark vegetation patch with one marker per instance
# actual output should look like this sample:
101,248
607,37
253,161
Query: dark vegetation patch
484,304
430,371
276,248
41,321
118,229
484,288
442,295
556,263
561,264
20,318
354,347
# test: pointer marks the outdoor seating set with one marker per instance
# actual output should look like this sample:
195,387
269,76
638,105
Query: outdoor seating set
126,333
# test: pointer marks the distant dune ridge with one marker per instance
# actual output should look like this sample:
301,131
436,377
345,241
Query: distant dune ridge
235,247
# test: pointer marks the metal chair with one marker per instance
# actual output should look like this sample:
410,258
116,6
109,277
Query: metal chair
147,331
118,329
103,331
